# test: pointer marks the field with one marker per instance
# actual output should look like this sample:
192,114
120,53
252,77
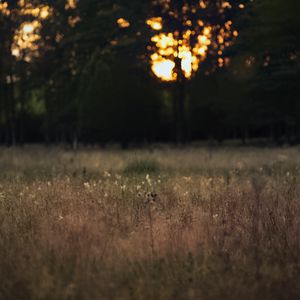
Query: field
196,223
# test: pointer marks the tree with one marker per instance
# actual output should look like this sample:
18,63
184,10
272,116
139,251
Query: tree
189,32
269,51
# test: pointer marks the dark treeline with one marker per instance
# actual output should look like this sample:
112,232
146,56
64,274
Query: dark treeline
86,80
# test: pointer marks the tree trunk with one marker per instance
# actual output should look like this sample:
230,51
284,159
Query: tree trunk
12,112
179,100
180,112
22,105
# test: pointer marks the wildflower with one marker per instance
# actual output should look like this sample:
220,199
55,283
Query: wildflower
107,174
86,185
187,178
148,179
123,188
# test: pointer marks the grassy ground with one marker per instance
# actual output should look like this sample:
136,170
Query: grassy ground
162,224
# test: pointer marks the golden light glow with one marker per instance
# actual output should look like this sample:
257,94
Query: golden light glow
226,5
44,12
123,23
4,8
163,68
73,20
27,38
155,23
178,54
41,12
169,48
71,4
202,4
59,37
28,27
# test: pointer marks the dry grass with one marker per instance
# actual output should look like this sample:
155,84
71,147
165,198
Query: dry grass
203,224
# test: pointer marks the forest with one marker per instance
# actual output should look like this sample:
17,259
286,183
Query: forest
83,72
149,150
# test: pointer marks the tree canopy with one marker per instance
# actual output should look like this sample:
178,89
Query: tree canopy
88,71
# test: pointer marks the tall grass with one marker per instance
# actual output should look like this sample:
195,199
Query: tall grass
224,225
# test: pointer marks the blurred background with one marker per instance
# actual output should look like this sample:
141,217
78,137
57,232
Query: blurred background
79,72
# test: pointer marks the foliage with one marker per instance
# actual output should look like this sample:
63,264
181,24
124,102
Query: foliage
91,82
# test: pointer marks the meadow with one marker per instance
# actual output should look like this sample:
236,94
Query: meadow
190,223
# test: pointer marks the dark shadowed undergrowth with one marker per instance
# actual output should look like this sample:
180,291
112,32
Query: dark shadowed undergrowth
141,167
89,230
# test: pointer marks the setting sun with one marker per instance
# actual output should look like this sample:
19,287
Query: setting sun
183,49
168,48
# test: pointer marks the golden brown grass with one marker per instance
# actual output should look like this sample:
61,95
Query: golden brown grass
225,224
